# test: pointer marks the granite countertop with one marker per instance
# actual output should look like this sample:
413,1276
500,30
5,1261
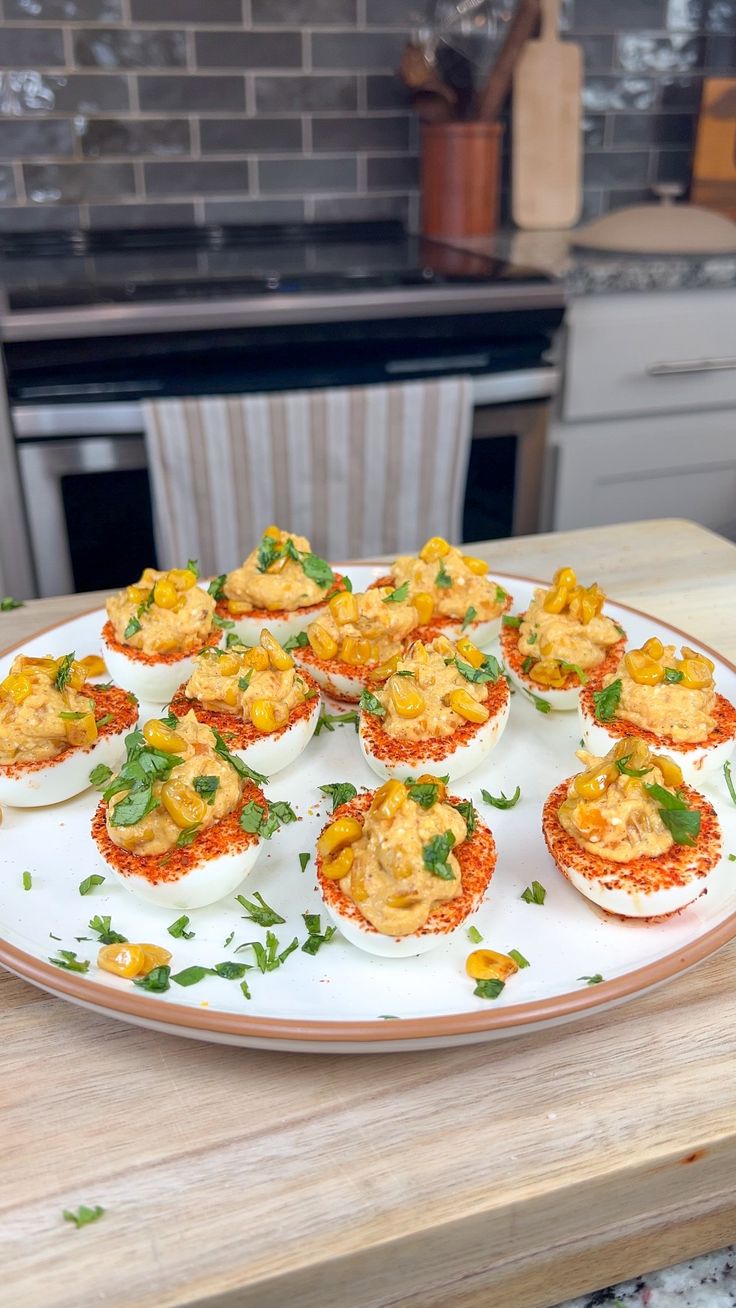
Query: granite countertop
705,1282
592,273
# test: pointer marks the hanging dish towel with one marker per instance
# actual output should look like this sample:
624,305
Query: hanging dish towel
360,470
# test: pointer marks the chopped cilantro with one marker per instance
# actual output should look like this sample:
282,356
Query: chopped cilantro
466,810
102,929
606,701
156,980
474,935
682,822
489,670
541,705
240,767
673,675
594,980
502,800
27,881
225,624
528,664
303,860
424,793
576,668
207,787
8,603
105,719
470,615
518,958
511,620
623,766
90,882
178,929
216,587
729,781
534,894
262,822
69,962
397,596
435,855
261,913
64,671
84,1215
245,990
316,936
489,989
339,792
326,721
369,703
317,569
296,642
443,579
193,566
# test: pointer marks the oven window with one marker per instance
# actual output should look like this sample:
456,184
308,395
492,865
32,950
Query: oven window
489,494
109,527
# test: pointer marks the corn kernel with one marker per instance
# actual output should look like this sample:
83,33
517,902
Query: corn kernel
257,658
339,865
594,783
92,666
182,803
642,669
590,821
407,699
165,594
696,675
16,687
407,900
154,956
321,641
462,702
382,671
344,607
358,888
477,566
230,695
556,599
671,771
547,672
122,959
487,965
228,665
273,532
277,656
470,652
424,605
262,715
418,652
688,653
434,549
136,594
83,731
358,650
343,831
389,798
182,578
653,647
159,736
236,607
565,577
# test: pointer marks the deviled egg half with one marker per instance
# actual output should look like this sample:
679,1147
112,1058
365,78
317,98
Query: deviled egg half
357,641
630,835
155,628
56,728
181,823
443,710
281,585
670,702
457,594
562,640
400,869
263,706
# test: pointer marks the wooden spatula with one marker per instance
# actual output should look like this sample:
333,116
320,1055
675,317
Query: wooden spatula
546,139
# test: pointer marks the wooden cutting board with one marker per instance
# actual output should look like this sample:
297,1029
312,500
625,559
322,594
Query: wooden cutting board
546,135
714,161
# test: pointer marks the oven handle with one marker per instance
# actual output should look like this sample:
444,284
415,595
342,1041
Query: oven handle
34,421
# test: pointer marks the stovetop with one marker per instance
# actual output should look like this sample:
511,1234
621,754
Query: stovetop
46,271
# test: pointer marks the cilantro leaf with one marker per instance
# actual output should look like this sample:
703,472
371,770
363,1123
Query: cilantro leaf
216,587
240,767
131,629
157,980
225,624
399,595
318,570
576,668
467,811
606,701
303,860
489,989
326,721
137,804
262,822
470,615
541,705
90,882
8,603
27,881
178,929
102,929
84,1215
207,787
424,793
369,703
69,962
594,980
339,792
435,855
474,935
534,894
193,566
511,620
296,642
316,936
672,675
269,550
528,664
443,579
501,594
489,670
729,781
518,958
682,822
261,913
230,971
64,671
623,766
191,975
502,800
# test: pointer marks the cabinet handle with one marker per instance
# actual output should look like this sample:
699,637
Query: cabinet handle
727,364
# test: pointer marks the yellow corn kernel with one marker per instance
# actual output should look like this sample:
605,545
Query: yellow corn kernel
16,687
48,666
470,652
344,607
122,959
277,656
321,641
182,803
389,798
182,578
257,658
83,731
165,594
154,956
236,607
136,594
231,695
406,697
696,674
671,771
556,599
358,650
159,736
565,577
434,549
595,782
92,666
262,715
76,677
408,900
418,652
445,647
273,531
547,672
339,865
343,831
149,575
653,647
642,669
688,653
477,566
487,965
462,702
589,820
228,665
424,605
382,671
428,779
358,888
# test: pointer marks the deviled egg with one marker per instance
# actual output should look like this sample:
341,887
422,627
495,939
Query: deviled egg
629,835
56,728
155,628
670,702
264,707
457,594
281,585
443,710
563,639
400,869
357,641
181,823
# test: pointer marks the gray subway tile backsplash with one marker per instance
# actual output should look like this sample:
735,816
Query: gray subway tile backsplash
277,110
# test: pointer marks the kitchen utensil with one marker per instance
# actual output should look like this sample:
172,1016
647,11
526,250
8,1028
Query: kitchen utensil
494,91
418,70
714,161
431,107
664,228
460,171
546,139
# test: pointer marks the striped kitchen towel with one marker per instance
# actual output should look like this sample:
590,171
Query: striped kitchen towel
359,470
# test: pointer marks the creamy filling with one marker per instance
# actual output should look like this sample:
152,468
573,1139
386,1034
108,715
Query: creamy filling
389,880
685,715
282,587
426,670
466,589
183,623
385,624
38,721
560,636
624,822
226,683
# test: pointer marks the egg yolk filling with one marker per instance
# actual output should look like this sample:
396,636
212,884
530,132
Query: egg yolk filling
455,581
172,786
669,696
42,711
399,864
617,808
162,612
434,690
368,628
281,574
564,629
260,684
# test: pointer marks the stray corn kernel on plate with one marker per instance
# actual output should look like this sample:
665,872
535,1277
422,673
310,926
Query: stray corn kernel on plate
268,965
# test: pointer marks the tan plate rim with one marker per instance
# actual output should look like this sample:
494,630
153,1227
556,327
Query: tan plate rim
206,1022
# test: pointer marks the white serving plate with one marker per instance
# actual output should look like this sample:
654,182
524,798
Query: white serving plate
343,1000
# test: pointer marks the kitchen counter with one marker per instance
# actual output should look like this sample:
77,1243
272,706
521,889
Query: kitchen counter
518,1172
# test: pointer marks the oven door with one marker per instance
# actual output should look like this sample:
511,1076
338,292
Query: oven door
89,510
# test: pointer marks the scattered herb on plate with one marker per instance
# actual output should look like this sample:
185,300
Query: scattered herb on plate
593,980
69,962
84,1216
261,913
519,958
27,881
541,705
502,800
328,721
474,935
489,989
316,937
470,614
104,932
303,860
90,882
534,894
178,929
339,792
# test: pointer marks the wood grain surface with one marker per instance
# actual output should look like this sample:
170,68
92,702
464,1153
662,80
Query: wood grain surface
515,1173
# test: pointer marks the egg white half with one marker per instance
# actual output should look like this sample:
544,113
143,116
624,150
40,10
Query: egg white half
626,903
282,624
697,762
155,683
481,632
456,763
374,942
60,778
205,883
272,753
340,685
565,700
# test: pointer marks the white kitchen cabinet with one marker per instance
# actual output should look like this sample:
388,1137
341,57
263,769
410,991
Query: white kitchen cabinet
646,421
